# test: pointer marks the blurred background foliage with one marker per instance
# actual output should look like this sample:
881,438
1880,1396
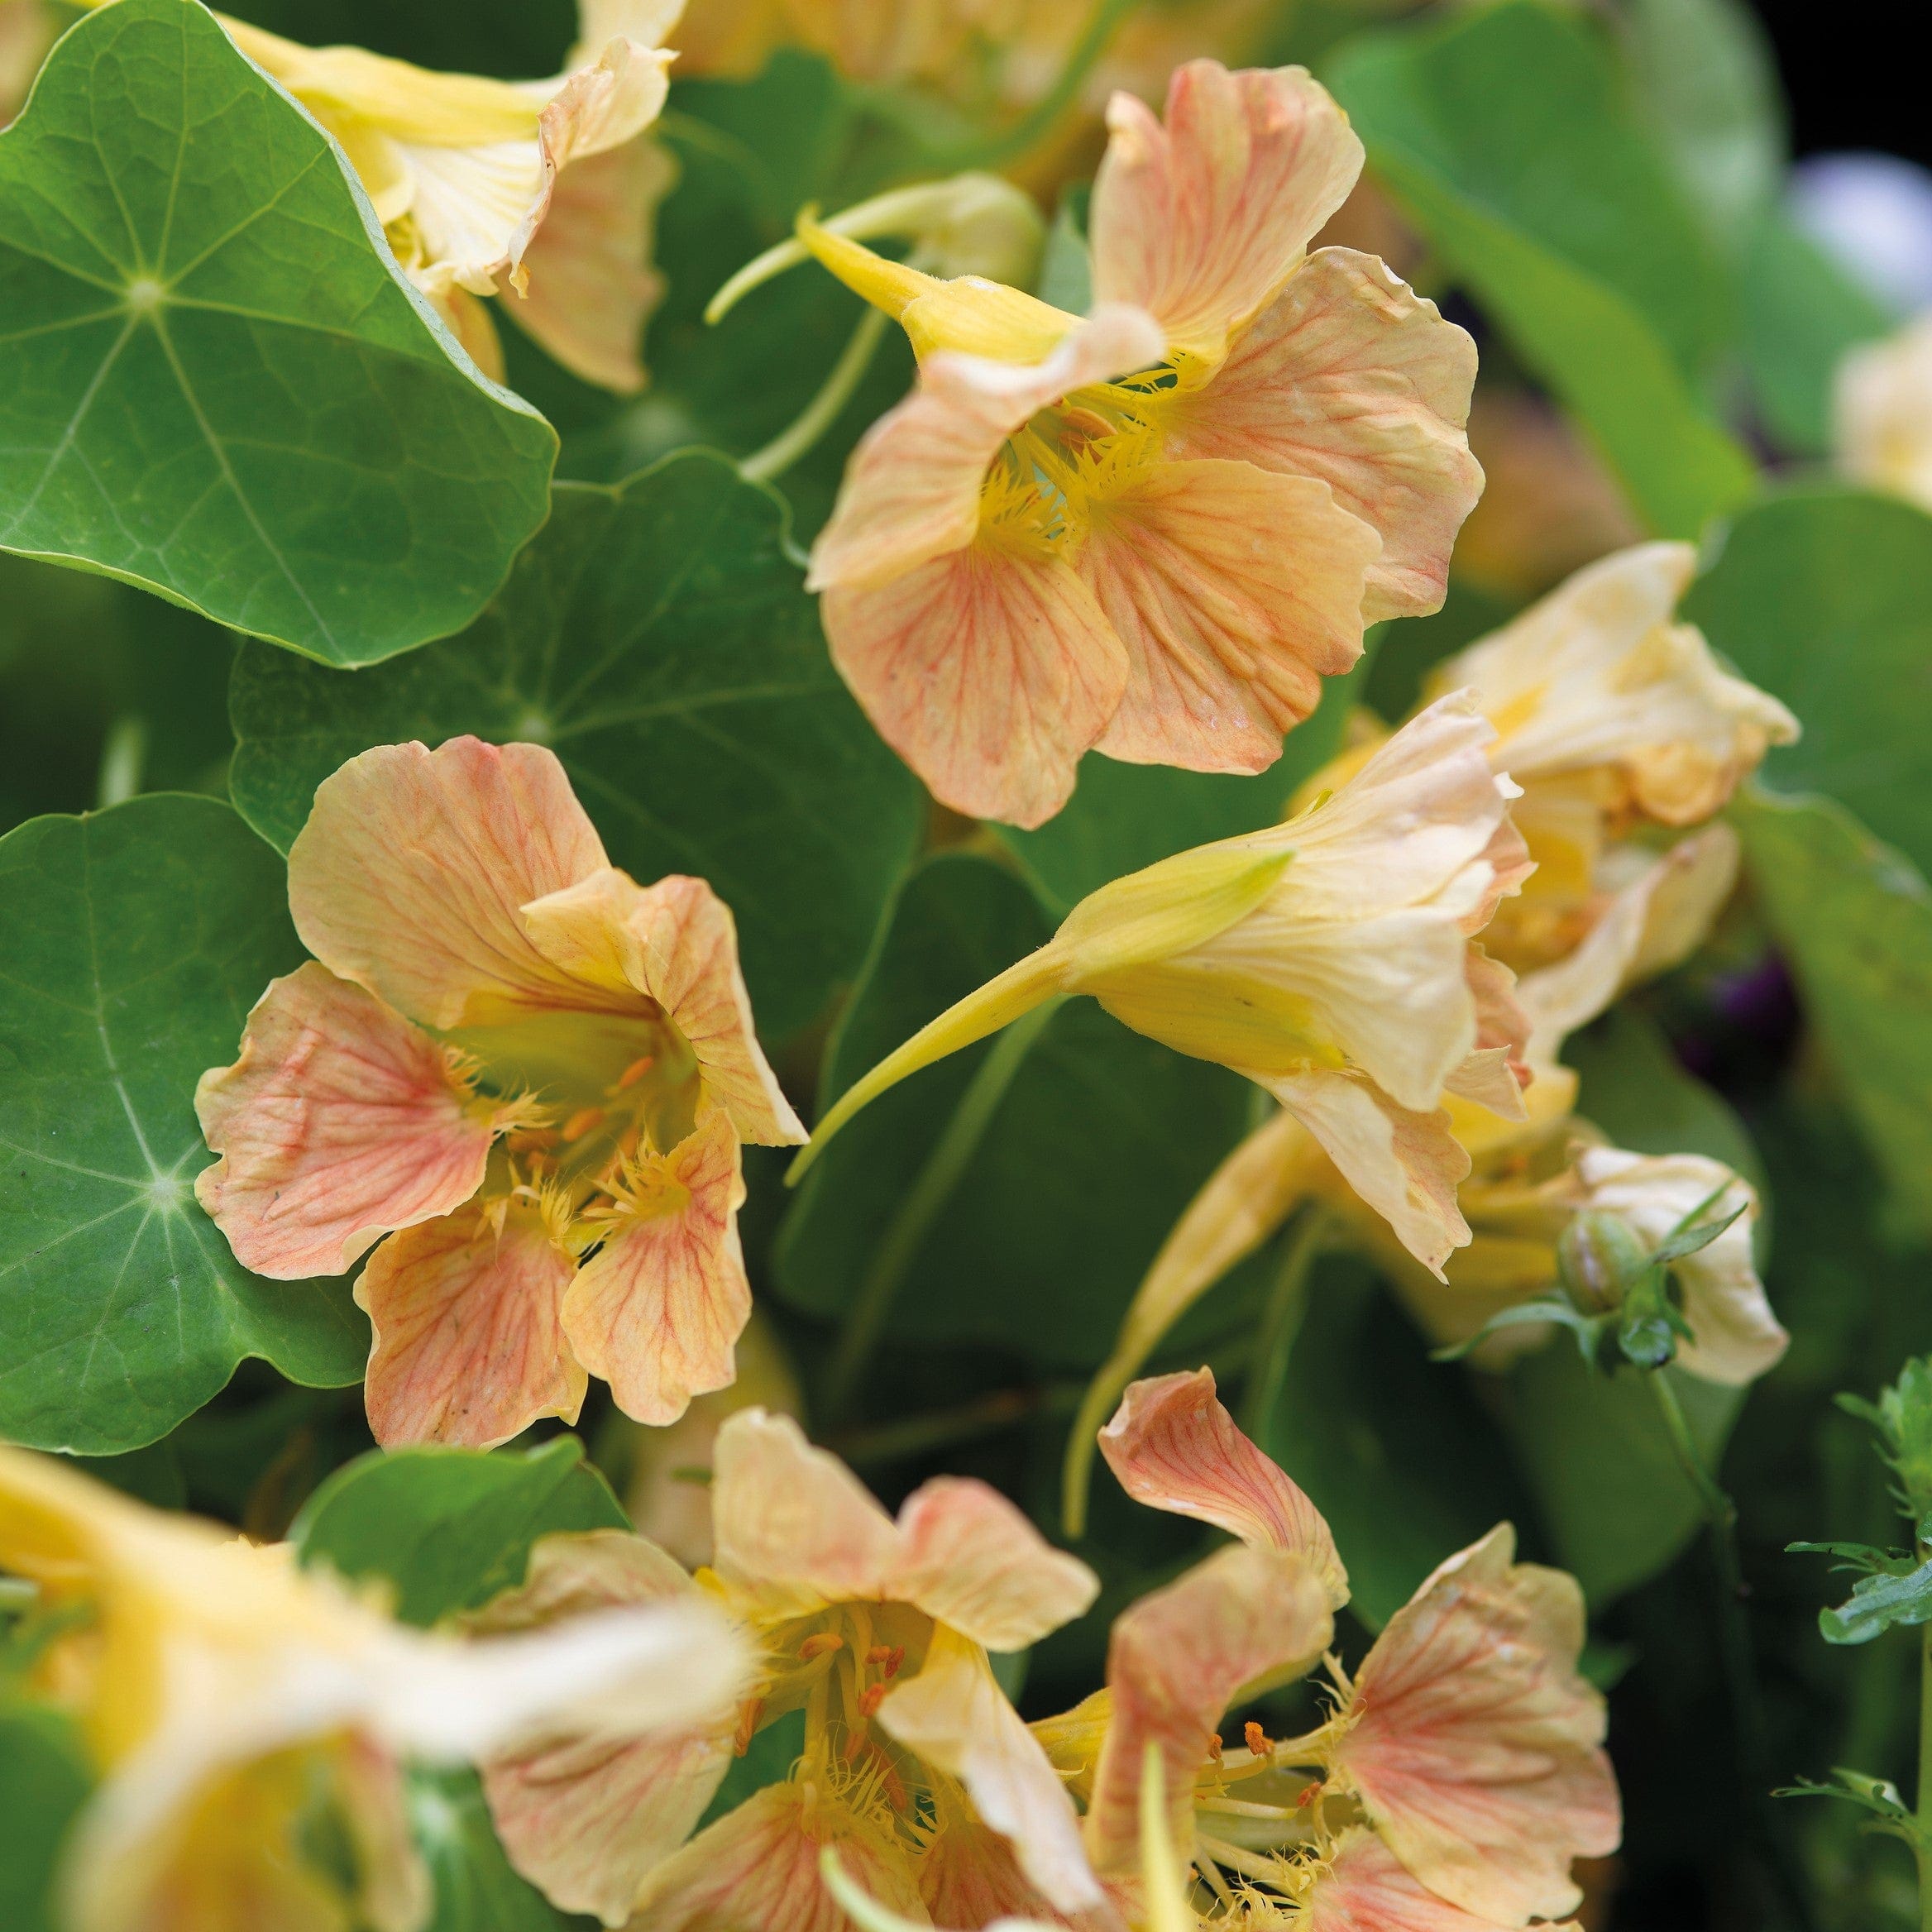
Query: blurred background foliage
1605,194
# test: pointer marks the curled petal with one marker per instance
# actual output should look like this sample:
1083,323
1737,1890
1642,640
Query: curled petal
656,1311
1176,1660
339,1122
1202,220
411,873
1496,1073
469,1346
1475,1746
990,671
1352,378
956,1717
1364,1887
1174,1447
973,1561
1235,591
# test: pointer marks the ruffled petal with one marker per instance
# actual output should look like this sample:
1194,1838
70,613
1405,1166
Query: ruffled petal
339,1122
794,1519
1202,220
469,1348
657,1310
1176,1660
990,671
1352,378
1174,1447
1475,1746
1364,1888
409,876
955,1716
973,1561
1235,591
1404,1165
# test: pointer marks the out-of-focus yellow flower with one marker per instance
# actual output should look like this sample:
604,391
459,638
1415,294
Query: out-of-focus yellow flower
914,1767
1882,422
233,1704
529,1073
28,29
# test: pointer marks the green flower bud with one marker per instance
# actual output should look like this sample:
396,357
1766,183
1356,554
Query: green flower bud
1597,1258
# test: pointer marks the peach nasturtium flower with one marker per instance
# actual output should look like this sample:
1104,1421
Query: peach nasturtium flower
232,1705
1152,531
915,1766
527,1072
1328,958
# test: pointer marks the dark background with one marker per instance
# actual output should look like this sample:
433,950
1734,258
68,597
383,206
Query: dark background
1849,75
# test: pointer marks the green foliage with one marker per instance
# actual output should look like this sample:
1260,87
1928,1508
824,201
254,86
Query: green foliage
175,319
44,1781
132,944
476,1889
447,1529
1902,1419
658,638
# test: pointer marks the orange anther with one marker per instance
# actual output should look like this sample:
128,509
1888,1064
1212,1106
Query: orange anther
1257,1738
1214,1746
871,1698
583,1122
1307,1794
889,1656
821,1643
747,1724
636,1071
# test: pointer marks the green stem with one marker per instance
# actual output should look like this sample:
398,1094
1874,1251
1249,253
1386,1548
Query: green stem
919,1435
1281,1321
822,411
866,1320
1735,1652
1922,1839
122,758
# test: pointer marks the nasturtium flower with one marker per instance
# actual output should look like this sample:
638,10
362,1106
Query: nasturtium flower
1152,531
1461,1771
915,1766
241,1712
541,191
1328,958
1882,413
527,1072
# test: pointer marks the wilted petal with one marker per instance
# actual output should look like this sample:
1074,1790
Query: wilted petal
1365,1888
990,671
469,1348
411,873
973,1561
1176,1660
1235,591
1174,1446
955,1716
657,1310
795,1519
1735,1335
1404,1165
1349,377
339,1122
1497,1071
1474,1744
1202,220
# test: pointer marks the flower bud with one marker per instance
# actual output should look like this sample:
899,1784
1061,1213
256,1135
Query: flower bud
1597,1260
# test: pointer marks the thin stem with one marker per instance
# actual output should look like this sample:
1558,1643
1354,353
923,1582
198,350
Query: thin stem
1922,1839
1281,1321
122,758
822,411
919,1435
1734,1648
920,1207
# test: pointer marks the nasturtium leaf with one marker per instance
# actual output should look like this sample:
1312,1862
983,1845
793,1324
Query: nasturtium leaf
476,1887
1014,1193
1550,206
1824,596
659,637
1854,920
220,387
449,1528
44,1781
132,944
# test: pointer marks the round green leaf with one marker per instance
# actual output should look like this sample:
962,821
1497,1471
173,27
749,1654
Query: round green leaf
220,387
132,944
658,636
44,1781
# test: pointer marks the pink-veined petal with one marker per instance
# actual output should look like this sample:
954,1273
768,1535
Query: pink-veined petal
1405,1165
955,1716
1349,377
657,1310
970,1876
1174,1447
990,671
339,1122
1201,220
973,1560
1176,1660
1476,1746
468,1347
409,876
1365,1888
1235,592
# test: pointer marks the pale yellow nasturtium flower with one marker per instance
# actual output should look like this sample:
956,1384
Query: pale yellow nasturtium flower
232,1704
1882,413
915,1766
540,191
